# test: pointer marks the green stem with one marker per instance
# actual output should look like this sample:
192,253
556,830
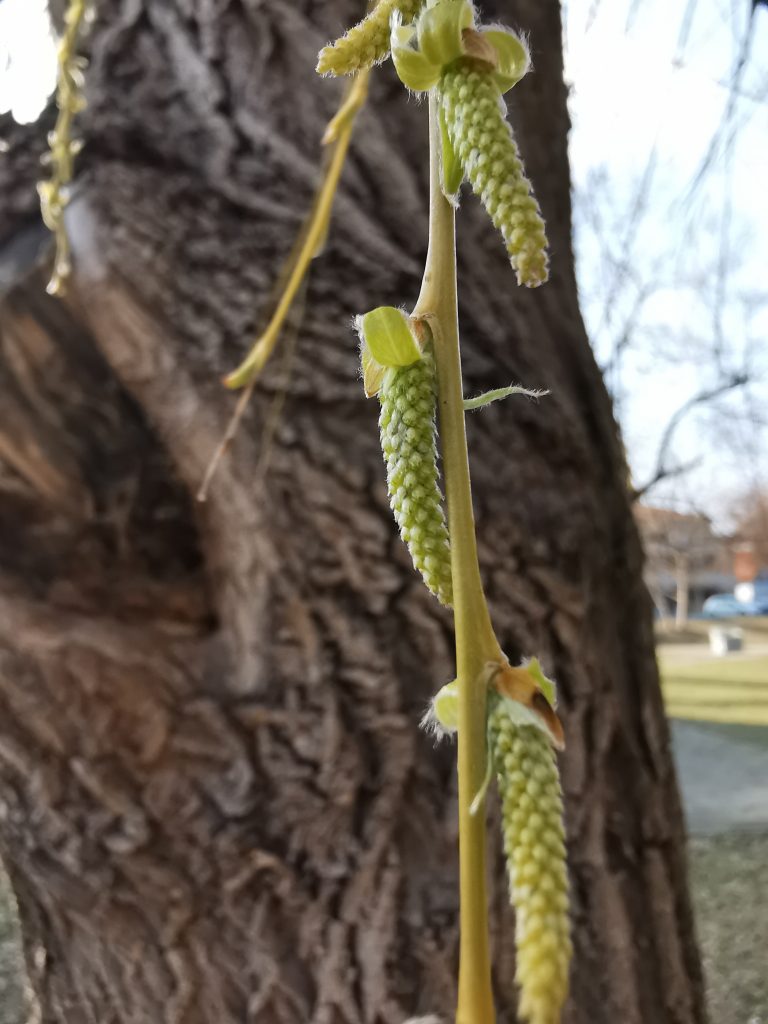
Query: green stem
476,642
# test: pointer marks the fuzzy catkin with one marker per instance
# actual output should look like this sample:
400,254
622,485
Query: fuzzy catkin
366,43
483,141
532,824
408,398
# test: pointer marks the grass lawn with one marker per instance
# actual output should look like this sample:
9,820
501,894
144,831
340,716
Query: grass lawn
700,687
730,689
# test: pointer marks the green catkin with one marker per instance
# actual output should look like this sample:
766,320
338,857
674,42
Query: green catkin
408,398
534,844
483,141
366,43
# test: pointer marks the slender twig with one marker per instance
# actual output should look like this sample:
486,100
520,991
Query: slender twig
270,424
725,128
54,194
476,643
706,395
338,133
226,442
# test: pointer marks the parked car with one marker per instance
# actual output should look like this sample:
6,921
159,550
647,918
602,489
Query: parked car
723,606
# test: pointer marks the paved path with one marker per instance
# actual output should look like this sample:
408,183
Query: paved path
723,773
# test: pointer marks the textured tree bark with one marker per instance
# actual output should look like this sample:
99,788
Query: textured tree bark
216,804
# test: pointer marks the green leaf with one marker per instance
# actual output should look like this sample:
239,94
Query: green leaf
445,706
439,30
388,337
373,372
413,69
482,793
498,394
519,714
514,58
546,685
452,173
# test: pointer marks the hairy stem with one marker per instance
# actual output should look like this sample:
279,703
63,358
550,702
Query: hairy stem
476,642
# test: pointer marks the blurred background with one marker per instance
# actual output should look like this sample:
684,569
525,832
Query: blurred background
669,156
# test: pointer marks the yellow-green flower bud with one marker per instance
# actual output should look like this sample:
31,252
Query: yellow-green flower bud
534,844
408,398
482,139
366,43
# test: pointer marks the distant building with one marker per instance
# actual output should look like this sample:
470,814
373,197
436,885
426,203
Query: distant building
751,577
686,561
745,565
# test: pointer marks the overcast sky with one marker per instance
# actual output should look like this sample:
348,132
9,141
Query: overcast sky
650,85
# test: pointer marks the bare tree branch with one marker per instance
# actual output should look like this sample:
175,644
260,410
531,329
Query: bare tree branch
666,473
726,126
663,471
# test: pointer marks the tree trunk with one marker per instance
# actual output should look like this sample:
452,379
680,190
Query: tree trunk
216,803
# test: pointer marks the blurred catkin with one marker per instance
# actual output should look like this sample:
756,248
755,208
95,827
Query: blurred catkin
366,43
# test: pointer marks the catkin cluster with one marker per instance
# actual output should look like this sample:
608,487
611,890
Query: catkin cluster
532,815
366,43
408,398
482,138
